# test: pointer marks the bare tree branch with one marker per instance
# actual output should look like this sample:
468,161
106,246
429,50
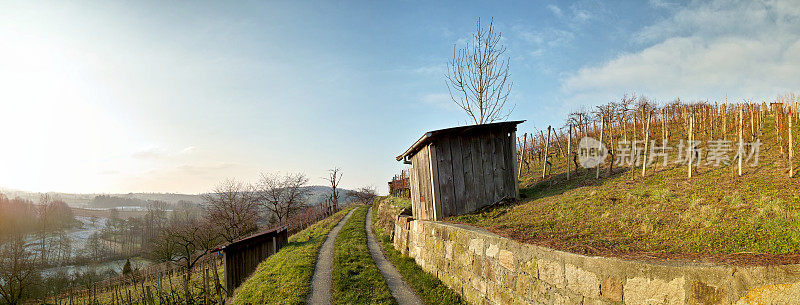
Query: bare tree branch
478,79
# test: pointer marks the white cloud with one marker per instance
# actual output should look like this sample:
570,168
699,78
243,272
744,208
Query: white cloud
156,152
556,10
578,13
704,51
662,4
439,100
540,40
432,69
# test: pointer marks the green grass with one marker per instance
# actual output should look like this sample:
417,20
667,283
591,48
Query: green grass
429,288
356,278
285,278
715,215
396,201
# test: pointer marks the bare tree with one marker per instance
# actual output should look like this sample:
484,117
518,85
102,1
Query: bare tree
478,76
233,209
282,195
365,194
18,271
184,242
334,177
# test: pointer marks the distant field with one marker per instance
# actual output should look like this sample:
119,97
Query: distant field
124,214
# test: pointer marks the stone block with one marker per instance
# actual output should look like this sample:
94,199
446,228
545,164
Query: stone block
524,285
581,281
448,250
476,246
551,272
590,301
611,289
772,294
492,250
530,268
640,290
563,298
506,259
703,294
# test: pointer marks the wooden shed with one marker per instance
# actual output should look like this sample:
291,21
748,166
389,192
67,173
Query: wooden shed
243,256
459,170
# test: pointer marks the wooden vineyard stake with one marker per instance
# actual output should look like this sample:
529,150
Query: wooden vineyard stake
522,155
791,146
569,149
600,146
741,140
690,149
724,121
664,139
205,283
633,147
752,123
546,152
646,142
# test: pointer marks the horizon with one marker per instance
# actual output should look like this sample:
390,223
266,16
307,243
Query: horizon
147,97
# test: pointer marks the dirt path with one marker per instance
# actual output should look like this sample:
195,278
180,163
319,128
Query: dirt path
321,281
400,290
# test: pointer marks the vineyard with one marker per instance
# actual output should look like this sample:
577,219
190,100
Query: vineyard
705,180
636,131
156,284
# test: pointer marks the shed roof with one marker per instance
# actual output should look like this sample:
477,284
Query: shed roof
253,238
432,135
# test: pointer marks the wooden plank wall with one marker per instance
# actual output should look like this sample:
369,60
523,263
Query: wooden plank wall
240,263
422,194
474,171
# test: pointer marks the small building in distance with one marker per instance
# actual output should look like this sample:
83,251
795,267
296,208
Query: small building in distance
459,170
243,256
399,186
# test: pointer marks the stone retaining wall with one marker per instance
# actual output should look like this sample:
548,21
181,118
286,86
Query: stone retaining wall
488,269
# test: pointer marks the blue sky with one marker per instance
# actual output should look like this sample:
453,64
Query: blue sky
174,97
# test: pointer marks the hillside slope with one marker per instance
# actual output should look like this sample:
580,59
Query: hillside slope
716,215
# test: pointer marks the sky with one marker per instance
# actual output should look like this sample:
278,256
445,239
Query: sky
156,96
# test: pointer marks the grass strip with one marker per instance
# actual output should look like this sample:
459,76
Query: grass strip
429,288
285,278
356,278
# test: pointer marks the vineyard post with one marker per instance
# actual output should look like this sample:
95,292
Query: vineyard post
158,286
205,285
752,123
690,144
791,146
546,152
569,149
521,156
600,145
724,122
634,147
611,146
150,296
141,283
664,126
217,284
646,142
741,140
